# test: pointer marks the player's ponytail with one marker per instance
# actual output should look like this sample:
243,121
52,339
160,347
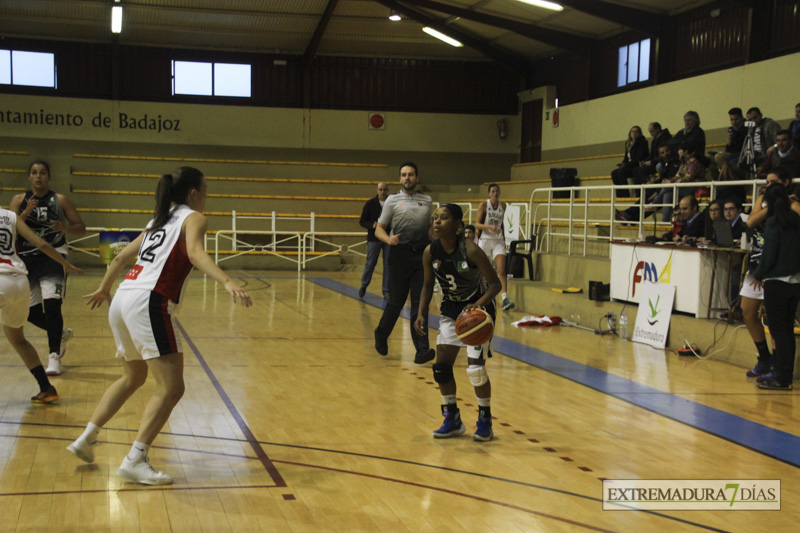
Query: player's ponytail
175,188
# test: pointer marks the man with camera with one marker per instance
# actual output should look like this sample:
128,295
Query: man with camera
764,133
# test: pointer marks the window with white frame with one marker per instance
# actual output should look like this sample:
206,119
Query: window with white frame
634,63
211,79
33,69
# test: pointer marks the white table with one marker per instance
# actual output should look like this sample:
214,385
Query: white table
699,276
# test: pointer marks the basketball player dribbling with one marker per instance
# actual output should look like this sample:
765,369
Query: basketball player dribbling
462,270
491,237
15,295
141,315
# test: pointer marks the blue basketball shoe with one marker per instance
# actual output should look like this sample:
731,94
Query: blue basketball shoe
452,426
484,430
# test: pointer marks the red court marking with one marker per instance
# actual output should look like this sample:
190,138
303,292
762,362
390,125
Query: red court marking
245,429
585,468
534,440
453,492
566,459
518,432
289,497
550,449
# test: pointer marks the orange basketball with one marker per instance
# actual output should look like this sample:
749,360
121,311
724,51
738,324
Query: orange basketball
475,328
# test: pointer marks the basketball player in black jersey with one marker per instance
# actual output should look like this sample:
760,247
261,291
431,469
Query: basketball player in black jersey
50,215
468,281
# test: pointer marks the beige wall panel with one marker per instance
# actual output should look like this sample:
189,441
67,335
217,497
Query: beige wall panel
607,119
188,124
413,132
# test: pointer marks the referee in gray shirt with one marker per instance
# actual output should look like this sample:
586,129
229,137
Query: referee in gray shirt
408,213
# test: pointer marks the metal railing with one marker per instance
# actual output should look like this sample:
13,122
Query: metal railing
597,196
312,237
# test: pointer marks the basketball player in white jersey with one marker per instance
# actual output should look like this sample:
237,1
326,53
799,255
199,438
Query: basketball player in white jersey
491,237
15,295
141,316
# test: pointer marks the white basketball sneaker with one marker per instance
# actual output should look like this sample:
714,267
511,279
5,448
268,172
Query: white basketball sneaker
54,365
141,471
83,449
66,335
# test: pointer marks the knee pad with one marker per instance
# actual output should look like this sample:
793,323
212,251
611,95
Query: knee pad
477,375
442,373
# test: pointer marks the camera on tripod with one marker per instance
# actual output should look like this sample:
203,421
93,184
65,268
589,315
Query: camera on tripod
747,158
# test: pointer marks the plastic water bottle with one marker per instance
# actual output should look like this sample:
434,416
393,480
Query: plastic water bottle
623,326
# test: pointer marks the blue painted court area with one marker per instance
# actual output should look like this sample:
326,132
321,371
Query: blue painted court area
757,437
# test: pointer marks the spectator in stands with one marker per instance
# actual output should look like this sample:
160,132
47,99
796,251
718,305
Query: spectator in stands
764,135
635,153
732,211
733,149
649,166
794,127
693,221
369,220
470,233
783,150
752,293
667,165
779,272
690,170
691,133
712,212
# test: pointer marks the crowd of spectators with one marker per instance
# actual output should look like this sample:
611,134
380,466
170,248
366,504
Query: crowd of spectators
756,148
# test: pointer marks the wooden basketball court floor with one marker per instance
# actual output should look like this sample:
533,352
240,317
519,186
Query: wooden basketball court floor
292,422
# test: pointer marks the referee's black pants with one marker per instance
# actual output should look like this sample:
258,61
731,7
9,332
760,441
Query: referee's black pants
406,276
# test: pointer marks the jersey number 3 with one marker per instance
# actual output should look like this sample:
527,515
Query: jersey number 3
152,241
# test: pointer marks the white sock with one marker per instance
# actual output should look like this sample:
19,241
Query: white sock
484,402
91,432
138,450
504,295
450,399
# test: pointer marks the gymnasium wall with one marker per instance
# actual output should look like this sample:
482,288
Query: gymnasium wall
462,148
601,125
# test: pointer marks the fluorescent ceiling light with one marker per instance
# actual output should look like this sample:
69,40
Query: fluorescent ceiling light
116,19
543,3
394,16
442,37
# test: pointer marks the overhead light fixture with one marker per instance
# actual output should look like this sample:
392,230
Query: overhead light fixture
394,16
543,3
442,37
116,19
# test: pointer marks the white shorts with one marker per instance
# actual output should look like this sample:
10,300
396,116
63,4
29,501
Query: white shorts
748,291
49,288
492,247
447,336
143,325
14,300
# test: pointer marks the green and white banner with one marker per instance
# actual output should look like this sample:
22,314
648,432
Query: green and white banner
655,311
